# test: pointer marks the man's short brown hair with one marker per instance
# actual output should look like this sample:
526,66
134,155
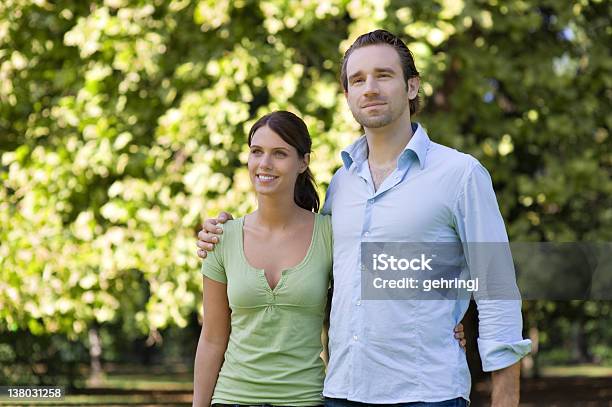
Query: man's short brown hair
405,56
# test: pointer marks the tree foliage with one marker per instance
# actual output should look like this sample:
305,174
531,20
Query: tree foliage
123,123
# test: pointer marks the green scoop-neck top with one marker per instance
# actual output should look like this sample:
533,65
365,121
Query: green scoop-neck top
274,348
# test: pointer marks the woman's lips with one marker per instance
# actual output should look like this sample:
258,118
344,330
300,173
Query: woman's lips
265,178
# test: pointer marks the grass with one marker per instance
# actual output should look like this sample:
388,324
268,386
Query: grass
126,389
577,370
156,387
148,382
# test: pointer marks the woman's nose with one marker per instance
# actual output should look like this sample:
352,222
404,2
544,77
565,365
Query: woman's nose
266,161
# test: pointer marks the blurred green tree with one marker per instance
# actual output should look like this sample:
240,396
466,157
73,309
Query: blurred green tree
123,122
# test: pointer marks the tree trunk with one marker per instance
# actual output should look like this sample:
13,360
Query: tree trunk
95,357
580,348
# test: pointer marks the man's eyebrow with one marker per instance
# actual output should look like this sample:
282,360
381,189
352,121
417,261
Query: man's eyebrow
387,70
356,74
377,70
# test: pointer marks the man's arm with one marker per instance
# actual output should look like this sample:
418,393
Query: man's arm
481,229
506,386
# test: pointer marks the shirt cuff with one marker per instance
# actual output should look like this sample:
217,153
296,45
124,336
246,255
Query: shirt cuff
498,355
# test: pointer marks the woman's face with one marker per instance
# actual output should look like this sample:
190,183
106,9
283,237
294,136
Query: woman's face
274,164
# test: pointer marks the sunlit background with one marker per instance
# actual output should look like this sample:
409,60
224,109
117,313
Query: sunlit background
122,127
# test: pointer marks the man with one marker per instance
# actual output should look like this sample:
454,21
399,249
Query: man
397,185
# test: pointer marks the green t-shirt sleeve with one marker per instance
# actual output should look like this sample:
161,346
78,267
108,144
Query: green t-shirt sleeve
213,265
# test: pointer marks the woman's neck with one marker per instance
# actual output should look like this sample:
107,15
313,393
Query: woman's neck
273,213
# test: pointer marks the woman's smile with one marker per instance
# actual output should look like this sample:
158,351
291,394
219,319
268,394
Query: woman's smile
265,178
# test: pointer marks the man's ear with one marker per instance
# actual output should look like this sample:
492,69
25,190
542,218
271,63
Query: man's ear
413,87
305,162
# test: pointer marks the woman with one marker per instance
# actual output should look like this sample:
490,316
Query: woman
266,282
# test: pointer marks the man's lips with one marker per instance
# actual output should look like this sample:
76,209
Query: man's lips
373,104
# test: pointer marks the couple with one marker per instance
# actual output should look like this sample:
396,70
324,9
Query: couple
265,282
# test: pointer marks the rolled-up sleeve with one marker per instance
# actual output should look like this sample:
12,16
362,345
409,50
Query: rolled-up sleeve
479,223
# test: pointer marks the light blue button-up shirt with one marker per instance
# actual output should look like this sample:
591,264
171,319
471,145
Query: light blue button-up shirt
404,351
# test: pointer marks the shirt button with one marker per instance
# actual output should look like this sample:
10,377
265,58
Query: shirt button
358,302
355,337
366,234
370,201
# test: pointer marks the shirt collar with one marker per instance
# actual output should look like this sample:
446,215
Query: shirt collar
418,145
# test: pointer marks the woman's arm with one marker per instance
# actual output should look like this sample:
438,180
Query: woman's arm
212,343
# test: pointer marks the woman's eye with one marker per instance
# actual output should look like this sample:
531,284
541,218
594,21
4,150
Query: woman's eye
256,152
281,154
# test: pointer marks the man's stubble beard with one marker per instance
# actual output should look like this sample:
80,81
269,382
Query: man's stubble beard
385,118
373,122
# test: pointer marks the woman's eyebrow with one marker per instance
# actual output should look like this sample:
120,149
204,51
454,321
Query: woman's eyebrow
273,148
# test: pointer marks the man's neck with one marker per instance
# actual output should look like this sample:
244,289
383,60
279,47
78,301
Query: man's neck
385,144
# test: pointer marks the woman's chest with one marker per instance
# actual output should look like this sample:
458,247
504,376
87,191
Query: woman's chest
306,285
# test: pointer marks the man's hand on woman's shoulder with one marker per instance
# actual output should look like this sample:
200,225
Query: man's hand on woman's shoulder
208,236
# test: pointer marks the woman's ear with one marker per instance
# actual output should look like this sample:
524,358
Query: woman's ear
305,162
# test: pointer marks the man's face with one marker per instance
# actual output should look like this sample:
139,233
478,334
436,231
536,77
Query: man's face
376,91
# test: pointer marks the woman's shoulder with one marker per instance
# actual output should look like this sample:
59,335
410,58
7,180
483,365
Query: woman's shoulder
323,219
325,225
232,231
233,224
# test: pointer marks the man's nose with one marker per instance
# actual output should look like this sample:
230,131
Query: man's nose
371,85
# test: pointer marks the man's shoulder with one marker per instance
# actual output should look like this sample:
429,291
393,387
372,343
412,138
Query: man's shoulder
341,170
449,158
338,174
